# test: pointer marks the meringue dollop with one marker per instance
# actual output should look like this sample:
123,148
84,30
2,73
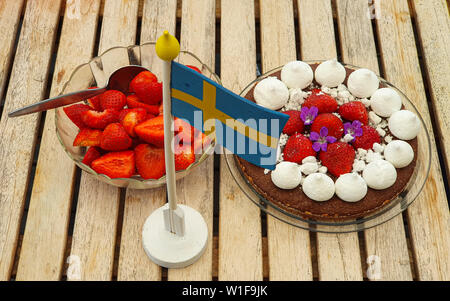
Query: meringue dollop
351,187
271,93
379,174
318,187
385,101
404,125
362,83
399,153
330,73
286,175
297,74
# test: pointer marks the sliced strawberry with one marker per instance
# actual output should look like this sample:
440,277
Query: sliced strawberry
87,137
368,138
338,158
147,88
113,99
201,142
122,114
295,123
75,112
94,102
152,131
99,120
194,68
324,102
184,156
331,122
115,138
132,118
150,162
161,108
297,148
133,102
115,164
92,154
354,110
184,132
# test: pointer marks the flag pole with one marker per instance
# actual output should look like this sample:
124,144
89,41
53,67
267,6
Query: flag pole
173,236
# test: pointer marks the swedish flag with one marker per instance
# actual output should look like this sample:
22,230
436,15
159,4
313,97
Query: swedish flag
243,127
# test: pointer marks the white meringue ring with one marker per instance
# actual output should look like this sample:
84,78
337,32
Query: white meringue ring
330,73
362,83
351,187
318,187
404,125
286,175
271,93
385,101
380,174
399,153
297,74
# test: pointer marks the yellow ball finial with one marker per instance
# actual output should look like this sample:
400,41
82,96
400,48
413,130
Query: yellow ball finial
167,47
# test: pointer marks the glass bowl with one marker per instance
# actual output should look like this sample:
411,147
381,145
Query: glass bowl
384,214
96,73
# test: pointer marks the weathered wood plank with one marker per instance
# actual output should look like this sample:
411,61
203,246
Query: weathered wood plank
158,15
27,84
289,247
428,216
238,52
433,26
338,254
196,190
388,240
9,22
98,203
49,211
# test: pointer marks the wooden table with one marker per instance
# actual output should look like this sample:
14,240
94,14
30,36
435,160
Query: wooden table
53,216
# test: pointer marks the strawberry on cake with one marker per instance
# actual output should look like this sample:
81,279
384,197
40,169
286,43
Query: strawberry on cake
348,148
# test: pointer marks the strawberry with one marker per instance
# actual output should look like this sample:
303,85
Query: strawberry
88,137
115,164
324,102
161,108
75,112
354,110
147,88
132,118
295,123
115,138
99,120
184,156
91,154
338,158
150,162
122,114
194,68
113,99
184,132
133,102
151,131
94,102
201,142
368,138
297,148
331,122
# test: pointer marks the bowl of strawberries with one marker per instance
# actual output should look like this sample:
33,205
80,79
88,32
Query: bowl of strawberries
118,137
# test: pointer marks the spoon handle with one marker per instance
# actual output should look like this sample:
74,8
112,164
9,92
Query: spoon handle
58,101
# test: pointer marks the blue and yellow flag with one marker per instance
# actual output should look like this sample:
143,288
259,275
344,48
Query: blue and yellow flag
243,127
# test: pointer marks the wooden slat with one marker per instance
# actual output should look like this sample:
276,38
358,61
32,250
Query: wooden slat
196,190
9,22
289,247
338,254
158,15
49,211
98,203
433,26
27,84
428,216
238,52
388,240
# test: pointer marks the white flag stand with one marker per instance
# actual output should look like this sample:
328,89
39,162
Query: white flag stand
173,236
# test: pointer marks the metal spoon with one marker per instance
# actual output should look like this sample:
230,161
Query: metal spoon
119,80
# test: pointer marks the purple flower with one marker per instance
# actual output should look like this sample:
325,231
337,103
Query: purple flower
354,129
308,114
321,139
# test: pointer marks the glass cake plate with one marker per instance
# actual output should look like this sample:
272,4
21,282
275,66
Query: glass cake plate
95,73
384,214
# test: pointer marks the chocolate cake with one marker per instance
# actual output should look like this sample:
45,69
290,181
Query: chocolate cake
296,202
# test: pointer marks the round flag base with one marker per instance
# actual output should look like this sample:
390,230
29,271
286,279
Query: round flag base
169,250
